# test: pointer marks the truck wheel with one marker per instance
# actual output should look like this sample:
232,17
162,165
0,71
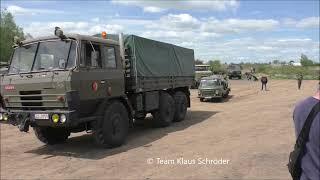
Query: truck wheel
112,129
50,135
201,99
164,115
181,102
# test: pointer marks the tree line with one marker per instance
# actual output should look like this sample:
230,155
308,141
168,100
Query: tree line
8,30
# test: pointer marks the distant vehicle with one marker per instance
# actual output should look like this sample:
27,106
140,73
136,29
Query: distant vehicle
213,87
71,83
234,70
201,70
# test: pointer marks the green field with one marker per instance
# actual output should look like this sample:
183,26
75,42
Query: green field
288,72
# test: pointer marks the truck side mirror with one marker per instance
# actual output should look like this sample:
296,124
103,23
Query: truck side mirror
94,58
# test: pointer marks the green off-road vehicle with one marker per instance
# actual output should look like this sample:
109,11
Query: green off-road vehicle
71,83
213,87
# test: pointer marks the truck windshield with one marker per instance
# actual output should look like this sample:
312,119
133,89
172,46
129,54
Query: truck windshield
43,56
209,83
234,68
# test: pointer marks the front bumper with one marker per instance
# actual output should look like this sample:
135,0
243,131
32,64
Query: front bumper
16,117
210,95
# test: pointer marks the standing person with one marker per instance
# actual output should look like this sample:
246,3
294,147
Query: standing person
309,161
299,78
264,81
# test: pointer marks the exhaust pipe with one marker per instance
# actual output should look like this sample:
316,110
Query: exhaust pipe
121,42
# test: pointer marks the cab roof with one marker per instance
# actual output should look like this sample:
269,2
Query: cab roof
72,36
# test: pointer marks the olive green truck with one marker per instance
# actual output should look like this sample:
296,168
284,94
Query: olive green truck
71,83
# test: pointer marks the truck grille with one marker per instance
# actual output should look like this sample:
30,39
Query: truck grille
31,100
34,100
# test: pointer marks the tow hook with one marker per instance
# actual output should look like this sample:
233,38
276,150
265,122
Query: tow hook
24,122
24,125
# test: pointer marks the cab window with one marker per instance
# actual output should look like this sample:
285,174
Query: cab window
108,57
91,55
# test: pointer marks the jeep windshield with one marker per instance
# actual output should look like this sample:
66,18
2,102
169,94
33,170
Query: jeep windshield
209,83
44,56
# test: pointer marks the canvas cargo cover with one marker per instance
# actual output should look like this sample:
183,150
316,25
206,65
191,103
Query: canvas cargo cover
151,58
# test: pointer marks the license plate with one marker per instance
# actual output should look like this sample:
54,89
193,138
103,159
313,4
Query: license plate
41,116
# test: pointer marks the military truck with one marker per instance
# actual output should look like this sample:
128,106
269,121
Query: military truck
213,87
71,83
201,70
234,70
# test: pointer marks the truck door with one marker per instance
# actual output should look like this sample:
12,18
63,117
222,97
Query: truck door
101,74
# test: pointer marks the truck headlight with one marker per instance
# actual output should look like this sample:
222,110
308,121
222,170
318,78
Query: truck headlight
55,118
63,118
1,116
5,117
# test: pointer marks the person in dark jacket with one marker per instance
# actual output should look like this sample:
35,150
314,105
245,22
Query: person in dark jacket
264,81
299,78
310,161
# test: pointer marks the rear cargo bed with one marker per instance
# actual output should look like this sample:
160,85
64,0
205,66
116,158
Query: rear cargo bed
156,65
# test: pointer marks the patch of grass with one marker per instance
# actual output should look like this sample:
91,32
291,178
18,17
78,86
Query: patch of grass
289,72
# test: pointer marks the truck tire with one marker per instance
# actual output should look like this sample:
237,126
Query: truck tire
181,102
201,99
112,129
164,115
50,135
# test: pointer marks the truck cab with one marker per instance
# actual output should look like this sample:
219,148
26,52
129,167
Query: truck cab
201,70
59,82
234,70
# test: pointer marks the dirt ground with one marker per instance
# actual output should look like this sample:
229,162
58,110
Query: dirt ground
252,131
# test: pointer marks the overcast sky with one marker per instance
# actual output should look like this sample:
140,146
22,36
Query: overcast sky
232,31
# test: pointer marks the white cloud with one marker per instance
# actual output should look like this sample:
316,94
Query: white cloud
17,10
238,25
181,22
309,22
214,5
152,9
262,49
